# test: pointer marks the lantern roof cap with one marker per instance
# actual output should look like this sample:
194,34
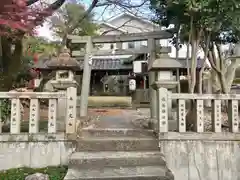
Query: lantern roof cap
64,61
164,61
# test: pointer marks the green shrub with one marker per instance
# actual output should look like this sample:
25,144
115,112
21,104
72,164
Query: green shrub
236,81
5,109
55,173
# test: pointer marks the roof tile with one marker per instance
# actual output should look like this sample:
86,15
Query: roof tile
97,64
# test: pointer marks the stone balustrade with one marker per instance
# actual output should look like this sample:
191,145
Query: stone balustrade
34,117
216,110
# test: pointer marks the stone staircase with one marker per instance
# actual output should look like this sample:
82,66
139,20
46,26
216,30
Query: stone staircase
117,154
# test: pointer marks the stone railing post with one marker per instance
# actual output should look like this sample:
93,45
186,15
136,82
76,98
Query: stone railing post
66,106
162,114
162,107
15,116
71,107
61,109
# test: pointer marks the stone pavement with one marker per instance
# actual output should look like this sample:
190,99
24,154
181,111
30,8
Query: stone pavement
119,119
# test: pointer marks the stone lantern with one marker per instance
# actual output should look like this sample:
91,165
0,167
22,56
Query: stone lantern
164,66
65,68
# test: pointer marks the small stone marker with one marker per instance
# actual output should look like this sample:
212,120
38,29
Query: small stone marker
37,176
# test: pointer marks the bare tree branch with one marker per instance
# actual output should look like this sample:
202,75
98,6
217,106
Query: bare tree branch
105,32
104,10
54,6
211,60
50,9
121,4
126,8
90,9
86,14
30,2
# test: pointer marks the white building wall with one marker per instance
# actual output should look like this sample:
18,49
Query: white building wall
130,25
137,66
109,31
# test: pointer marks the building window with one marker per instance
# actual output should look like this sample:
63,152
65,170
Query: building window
144,67
112,46
131,45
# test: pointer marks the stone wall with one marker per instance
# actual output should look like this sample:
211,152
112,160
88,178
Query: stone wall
35,151
203,158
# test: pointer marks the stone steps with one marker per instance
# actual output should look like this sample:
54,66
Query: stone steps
117,154
120,173
86,160
116,133
117,144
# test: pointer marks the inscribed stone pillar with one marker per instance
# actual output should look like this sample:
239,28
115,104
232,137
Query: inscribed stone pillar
61,111
165,77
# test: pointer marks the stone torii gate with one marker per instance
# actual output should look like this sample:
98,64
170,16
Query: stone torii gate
89,51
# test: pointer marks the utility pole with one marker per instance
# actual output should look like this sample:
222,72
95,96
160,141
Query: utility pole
86,78
152,77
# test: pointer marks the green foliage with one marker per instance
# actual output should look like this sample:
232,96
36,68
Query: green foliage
5,109
31,46
69,20
203,24
23,73
38,45
55,173
221,18
43,126
236,81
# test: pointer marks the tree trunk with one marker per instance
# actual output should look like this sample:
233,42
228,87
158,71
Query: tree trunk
188,68
64,40
193,66
191,115
0,49
206,50
11,62
224,75
188,51
230,74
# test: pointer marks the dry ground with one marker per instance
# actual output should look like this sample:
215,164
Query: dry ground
91,112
